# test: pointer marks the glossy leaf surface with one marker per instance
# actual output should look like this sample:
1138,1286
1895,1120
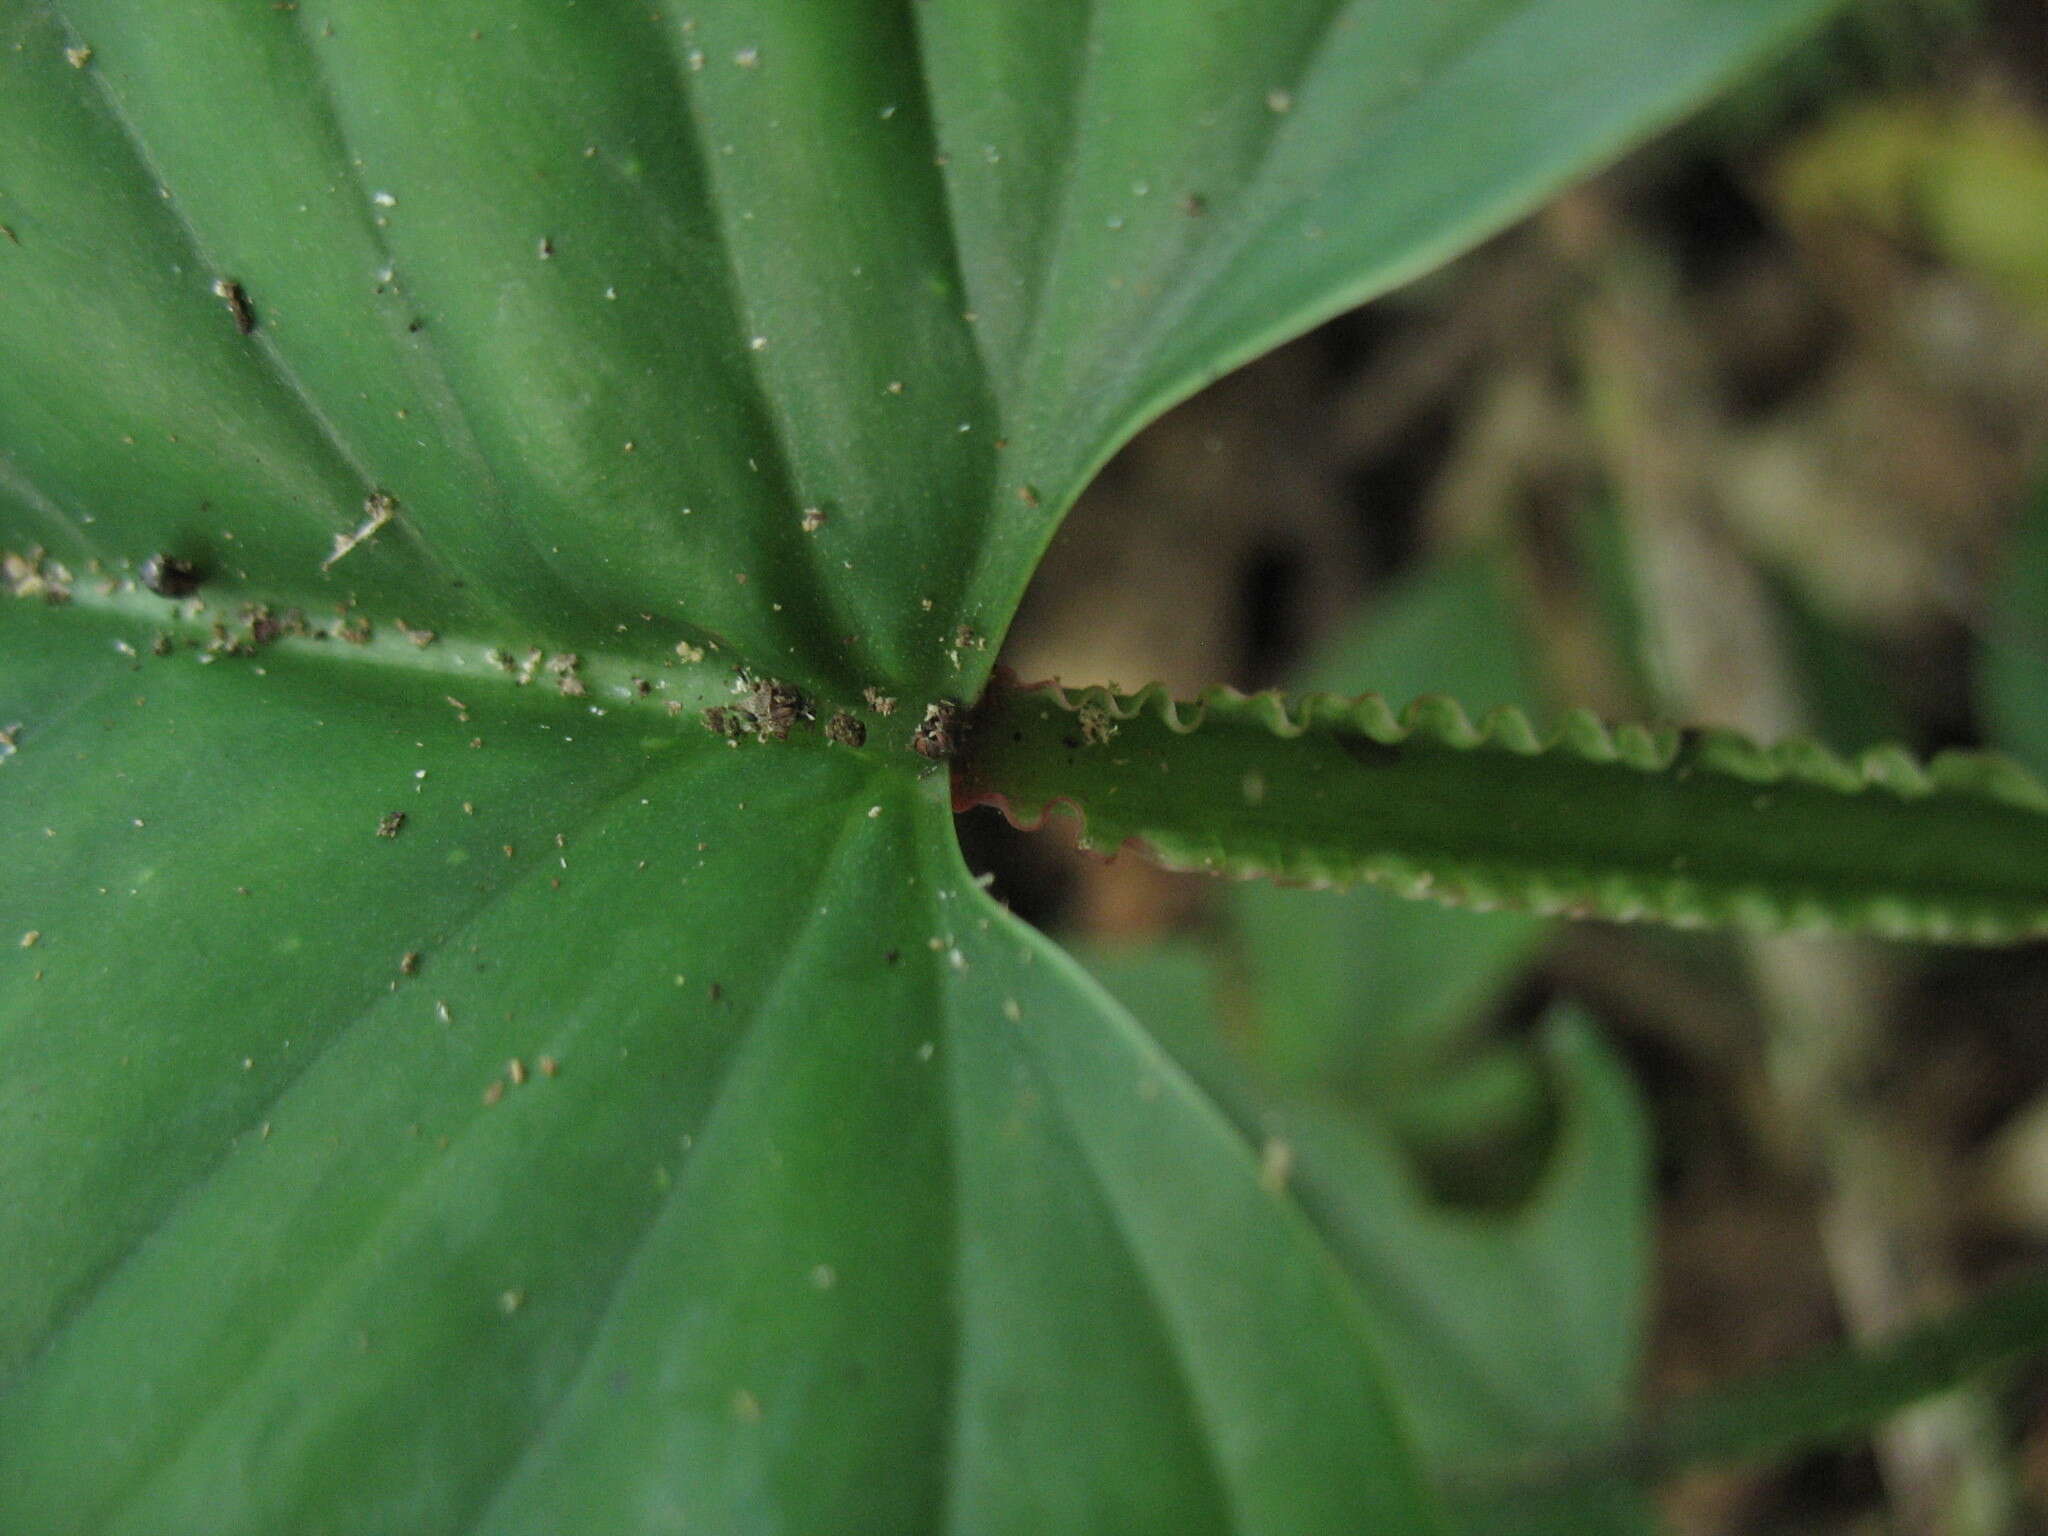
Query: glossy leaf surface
846,1203
606,349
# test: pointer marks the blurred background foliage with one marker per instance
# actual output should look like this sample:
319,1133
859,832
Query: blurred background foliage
1751,431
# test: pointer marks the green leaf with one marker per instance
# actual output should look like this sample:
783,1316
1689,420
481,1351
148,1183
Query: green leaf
1833,1397
734,1250
769,226
1506,1331
1509,1335
1361,983
2013,672
1686,827
608,349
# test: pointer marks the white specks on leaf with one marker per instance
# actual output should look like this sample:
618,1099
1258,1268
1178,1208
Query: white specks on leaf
379,507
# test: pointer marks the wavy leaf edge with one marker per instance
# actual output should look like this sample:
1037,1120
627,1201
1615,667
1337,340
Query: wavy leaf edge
1438,720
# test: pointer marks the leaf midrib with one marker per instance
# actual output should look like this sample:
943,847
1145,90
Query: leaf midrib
460,669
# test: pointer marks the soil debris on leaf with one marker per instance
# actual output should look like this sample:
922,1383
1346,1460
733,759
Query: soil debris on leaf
1097,724
168,575
31,575
773,708
937,736
232,294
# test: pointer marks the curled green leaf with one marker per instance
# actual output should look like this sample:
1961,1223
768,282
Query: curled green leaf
1683,826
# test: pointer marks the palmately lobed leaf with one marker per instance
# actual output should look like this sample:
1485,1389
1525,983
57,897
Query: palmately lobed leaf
1677,825
433,1103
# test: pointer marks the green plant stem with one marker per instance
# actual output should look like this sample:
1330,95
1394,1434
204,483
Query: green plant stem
1831,1398
1686,827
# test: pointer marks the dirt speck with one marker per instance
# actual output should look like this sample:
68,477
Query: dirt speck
168,576
937,736
391,823
232,294
1097,724
772,708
